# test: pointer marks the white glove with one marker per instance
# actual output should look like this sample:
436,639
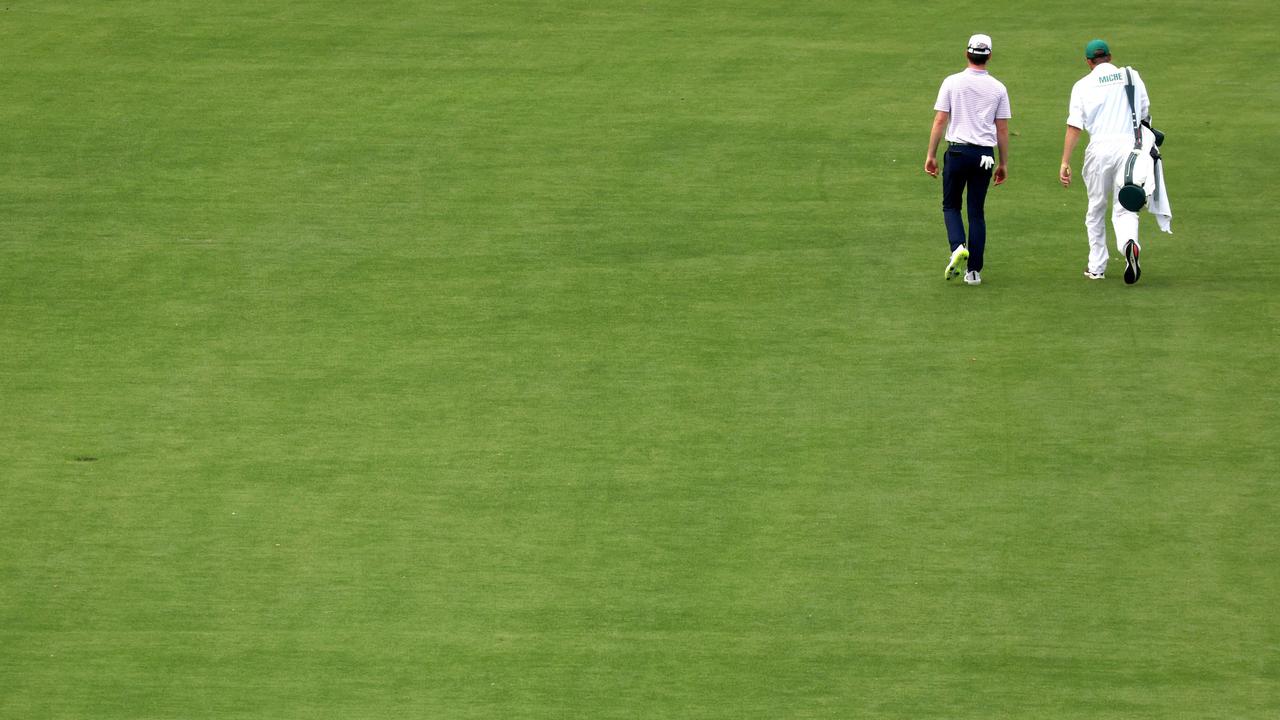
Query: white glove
987,162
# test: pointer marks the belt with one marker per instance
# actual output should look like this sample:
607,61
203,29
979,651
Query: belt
956,144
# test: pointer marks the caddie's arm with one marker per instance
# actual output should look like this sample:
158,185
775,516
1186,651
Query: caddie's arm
1068,147
1002,143
935,137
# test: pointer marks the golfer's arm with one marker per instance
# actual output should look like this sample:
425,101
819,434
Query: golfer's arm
1002,141
935,134
1069,144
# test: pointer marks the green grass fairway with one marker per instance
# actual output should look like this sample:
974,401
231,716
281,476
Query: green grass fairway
592,359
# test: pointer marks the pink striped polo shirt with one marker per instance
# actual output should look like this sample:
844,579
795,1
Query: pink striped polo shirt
975,100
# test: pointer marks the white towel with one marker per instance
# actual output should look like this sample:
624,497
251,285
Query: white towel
1150,174
1158,201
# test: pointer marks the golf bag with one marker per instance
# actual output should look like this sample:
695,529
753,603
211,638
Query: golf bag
1133,195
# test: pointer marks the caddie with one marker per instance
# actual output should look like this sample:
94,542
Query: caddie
1111,104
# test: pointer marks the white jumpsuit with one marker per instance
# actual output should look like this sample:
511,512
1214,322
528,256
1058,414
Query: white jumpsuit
1100,106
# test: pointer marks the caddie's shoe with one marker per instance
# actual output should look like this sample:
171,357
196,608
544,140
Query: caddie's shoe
959,257
1093,275
1132,270
972,278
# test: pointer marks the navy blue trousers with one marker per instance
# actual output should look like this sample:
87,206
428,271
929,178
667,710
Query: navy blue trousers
961,171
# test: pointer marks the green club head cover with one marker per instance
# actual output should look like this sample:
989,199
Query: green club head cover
1133,197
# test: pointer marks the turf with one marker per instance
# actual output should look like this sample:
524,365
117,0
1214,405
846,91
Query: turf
592,360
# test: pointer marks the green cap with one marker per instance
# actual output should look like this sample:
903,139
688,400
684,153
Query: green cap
1096,48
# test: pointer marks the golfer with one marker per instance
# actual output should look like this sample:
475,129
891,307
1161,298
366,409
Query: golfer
1100,106
973,107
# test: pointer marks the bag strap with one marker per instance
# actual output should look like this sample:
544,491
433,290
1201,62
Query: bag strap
1128,167
1133,110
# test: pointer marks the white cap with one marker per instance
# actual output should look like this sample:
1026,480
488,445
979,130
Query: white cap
980,44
